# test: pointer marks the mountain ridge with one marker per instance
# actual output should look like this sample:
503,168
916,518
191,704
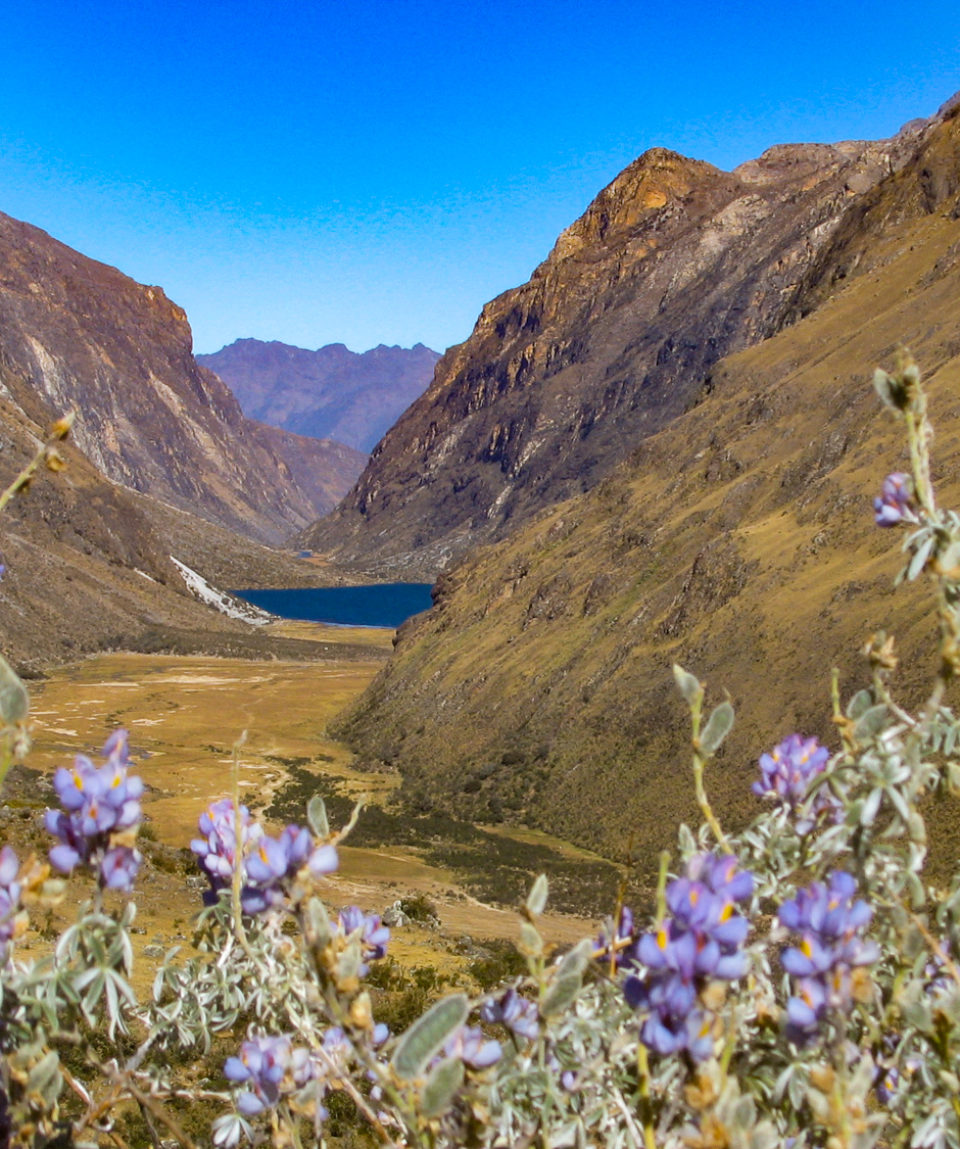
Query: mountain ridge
673,265
331,392
737,540
78,333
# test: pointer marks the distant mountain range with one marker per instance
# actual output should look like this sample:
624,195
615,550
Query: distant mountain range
331,393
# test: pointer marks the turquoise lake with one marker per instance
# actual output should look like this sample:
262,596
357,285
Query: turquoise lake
381,604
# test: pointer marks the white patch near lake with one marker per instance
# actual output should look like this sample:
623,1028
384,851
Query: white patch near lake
220,600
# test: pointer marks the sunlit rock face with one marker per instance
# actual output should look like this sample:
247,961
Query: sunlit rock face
79,334
674,265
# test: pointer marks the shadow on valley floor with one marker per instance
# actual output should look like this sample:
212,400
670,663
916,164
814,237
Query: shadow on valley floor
492,866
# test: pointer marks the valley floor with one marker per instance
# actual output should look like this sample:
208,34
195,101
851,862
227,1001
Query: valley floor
184,714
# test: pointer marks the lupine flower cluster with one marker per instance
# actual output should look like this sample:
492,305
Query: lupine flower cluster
787,773
372,933
895,505
100,816
515,1012
472,1048
829,919
267,865
268,1066
699,943
10,913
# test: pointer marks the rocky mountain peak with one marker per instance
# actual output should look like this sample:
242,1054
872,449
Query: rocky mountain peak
673,265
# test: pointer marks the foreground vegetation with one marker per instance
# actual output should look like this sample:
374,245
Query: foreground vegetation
796,983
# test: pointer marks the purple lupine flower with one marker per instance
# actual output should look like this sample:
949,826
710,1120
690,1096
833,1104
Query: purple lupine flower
787,774
473,1049
267,865
373,934
263,1063
217,850
700,942
101,811
895,503
517,1013
829,919
9,898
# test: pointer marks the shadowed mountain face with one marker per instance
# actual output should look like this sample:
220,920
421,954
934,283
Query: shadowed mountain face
76,333
673,266
329,393
738,540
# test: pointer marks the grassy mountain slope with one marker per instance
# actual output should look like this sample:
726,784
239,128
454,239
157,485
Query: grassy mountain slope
738,541
674,265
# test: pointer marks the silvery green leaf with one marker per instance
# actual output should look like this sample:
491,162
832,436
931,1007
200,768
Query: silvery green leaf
871,722
686,840
870,807
427,1035
317,923
44,1077
919,559
530,940
883,384
575,961
562,991
689,686
14,700
317,817
860,703
915,888
444,1081
718,726
537,898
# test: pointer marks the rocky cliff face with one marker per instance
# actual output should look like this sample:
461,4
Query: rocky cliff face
673,266
738,540
76,333
329,393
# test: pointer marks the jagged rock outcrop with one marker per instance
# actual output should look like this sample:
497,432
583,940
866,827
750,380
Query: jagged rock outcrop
673,266
77,333
738,540
330,393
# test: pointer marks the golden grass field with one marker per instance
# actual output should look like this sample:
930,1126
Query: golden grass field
184,715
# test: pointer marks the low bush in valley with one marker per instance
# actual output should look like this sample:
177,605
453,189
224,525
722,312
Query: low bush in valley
795,984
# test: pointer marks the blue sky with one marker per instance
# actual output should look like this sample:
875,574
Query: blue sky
374,172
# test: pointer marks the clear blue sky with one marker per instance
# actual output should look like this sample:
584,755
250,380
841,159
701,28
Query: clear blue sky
321,172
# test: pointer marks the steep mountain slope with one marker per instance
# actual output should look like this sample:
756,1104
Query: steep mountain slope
329,393
89,563
76,333
673,266
738,540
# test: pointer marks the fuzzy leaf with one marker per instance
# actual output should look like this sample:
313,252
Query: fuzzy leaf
882,383
575,961
871,722
427,1035
561,993
718,726
14,700
537,898
859,704
444,1081
689,685
317,817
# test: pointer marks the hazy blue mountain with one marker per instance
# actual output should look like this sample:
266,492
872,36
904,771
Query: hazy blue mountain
330,393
